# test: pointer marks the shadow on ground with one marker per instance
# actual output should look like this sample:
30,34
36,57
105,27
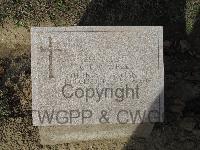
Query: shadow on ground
181,51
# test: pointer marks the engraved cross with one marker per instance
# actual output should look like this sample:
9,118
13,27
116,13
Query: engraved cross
50,50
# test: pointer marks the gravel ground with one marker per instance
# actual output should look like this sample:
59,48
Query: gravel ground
181,126
181,129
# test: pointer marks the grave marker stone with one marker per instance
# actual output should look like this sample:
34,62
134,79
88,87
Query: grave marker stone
90,78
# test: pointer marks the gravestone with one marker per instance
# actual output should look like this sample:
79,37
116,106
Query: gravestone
94,82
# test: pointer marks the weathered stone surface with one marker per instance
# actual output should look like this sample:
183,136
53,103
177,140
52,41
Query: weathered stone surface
92,71
96,82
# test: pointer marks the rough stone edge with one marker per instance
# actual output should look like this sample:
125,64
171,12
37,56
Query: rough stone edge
68,134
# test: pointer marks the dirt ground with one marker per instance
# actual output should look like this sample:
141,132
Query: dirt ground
181,21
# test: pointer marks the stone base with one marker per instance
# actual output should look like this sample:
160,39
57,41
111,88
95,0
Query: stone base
66,134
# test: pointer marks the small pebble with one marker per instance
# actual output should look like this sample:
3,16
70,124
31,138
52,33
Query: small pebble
185,46
188,124
167,44
176,108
